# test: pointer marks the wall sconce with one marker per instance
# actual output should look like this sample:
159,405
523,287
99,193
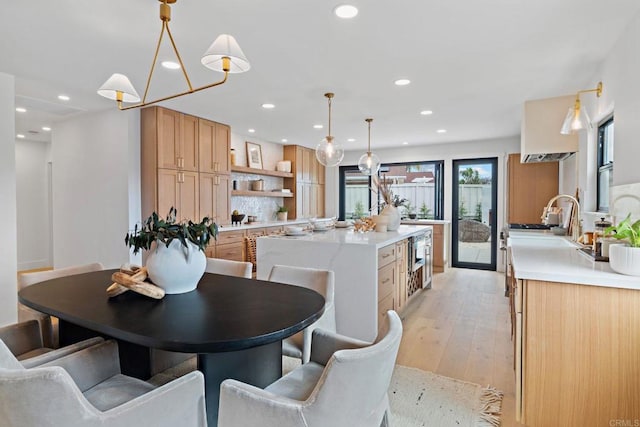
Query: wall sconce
577,117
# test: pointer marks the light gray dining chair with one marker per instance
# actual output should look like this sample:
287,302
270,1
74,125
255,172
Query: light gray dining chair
24,340
321,281
49,331
86,389
162,360
229,267
344,385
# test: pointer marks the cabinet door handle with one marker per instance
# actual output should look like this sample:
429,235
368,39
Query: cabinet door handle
386,255
385,280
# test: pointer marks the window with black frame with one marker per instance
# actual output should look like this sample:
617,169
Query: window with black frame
605,163
419,183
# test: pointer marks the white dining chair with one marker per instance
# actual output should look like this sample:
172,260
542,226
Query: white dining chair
49,331
321,281
229,267
344,385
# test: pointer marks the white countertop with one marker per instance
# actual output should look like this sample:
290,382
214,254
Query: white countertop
425,221
544,256
347,236
249,226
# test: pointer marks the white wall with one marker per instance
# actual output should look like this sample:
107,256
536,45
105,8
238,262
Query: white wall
96,192
32,186
620,76
8,243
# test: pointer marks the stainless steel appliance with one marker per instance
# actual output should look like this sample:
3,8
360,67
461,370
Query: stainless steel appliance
420,255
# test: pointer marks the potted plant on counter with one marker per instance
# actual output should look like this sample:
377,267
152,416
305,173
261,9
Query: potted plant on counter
625,257
176,260
281,213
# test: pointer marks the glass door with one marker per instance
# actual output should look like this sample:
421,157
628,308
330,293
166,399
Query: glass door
475,204
355,198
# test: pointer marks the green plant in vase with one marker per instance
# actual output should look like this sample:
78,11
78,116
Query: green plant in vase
625,258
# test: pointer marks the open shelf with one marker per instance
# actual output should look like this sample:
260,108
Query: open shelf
265,172
260,193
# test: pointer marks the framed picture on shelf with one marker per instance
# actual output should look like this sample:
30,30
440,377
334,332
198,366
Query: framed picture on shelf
254,155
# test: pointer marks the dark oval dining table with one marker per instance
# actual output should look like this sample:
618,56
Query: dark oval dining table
235,325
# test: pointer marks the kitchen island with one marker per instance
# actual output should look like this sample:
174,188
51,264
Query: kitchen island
576,330
372,271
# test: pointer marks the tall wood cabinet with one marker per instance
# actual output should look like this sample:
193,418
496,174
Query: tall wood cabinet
185,164
531,186
307,183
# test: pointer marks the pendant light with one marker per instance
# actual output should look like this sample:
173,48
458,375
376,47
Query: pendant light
328,152
369,163
577,118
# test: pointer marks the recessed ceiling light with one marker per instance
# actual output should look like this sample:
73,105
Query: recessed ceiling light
284,140
63,97
402,82
268,106
21,110
252,130
20,136
351,139
405,143
345,11
426,112
46,128
317,126
170,65
441,131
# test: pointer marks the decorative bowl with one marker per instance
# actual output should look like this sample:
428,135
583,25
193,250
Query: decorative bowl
559,231
237,219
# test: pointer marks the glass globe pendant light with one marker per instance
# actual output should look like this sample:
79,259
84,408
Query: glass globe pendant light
369,163
328,152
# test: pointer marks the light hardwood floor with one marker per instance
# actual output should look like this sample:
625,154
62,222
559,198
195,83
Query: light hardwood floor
461,329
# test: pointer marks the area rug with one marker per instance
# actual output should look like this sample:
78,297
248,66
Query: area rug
420,398
417,398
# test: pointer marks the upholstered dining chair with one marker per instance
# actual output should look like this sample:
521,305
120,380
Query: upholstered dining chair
86,389
24,340
321,281
229,267
49,332
162,360
344,385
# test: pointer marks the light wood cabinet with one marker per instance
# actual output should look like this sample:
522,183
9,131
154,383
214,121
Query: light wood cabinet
576,352
392,280
438,247
178,189
215,193
401,267
176,137
214,144
531,186
308,182
171,161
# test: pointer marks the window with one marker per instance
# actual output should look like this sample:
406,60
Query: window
605,163
355,198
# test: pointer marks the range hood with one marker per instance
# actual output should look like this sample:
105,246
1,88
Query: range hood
540,137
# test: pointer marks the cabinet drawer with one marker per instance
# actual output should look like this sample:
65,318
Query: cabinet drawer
386,280
386,255
230,237
232,251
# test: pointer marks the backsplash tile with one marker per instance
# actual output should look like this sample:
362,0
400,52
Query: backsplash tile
263,207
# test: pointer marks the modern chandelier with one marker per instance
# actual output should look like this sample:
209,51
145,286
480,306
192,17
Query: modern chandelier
224,55
369,163
577,118
328,152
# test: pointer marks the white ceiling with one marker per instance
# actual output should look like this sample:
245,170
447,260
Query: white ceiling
472,62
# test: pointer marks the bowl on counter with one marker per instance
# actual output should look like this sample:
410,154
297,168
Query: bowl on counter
237,219
559,231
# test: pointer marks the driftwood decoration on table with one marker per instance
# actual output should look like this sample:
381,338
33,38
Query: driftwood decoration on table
132,278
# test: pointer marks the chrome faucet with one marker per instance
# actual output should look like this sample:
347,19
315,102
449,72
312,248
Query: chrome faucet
575,215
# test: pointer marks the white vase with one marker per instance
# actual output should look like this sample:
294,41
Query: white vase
624,259
394,217
176,269
281,216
